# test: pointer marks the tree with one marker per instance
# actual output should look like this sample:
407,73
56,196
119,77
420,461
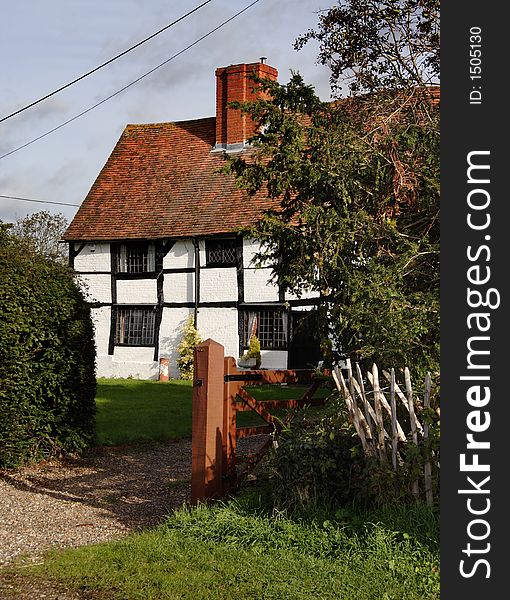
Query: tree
378,45
43,232
358,185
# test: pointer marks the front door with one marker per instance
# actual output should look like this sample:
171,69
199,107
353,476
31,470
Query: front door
304,345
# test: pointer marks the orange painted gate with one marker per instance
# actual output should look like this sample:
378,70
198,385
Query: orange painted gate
218,395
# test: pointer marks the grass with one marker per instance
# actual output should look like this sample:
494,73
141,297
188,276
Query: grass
229,551
236,549
132,410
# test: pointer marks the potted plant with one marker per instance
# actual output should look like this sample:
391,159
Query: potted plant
252,357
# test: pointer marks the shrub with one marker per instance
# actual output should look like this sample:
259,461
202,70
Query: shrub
47,358
316,464
319,463
190,339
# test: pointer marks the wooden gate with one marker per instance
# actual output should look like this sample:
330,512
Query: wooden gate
219,393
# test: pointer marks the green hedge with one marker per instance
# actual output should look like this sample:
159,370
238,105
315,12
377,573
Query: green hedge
47,358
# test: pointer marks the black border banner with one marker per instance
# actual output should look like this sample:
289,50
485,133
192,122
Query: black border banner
475,419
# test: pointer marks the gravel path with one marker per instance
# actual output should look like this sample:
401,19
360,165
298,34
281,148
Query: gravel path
113,492
106,496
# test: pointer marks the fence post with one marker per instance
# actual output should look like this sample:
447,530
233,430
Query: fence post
208,419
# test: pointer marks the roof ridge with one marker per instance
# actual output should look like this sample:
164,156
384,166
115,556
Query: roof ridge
162,123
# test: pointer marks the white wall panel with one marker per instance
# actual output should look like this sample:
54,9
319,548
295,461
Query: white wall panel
129,362
181,256
179,287
101,319
93,257
274,359
306,295
257,287
218,285
170,336
220,324
95,287
136,291
250,248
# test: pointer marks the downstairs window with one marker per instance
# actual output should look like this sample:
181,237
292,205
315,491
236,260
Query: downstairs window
270,327
135,327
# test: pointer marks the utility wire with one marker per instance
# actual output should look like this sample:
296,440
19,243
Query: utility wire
104,64
130,84
40,201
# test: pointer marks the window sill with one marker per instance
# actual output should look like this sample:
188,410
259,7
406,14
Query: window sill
147,275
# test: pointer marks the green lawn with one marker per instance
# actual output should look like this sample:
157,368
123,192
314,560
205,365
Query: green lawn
132,410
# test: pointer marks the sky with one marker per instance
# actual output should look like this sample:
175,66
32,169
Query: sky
44,45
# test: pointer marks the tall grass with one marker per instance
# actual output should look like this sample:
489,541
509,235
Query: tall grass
232,551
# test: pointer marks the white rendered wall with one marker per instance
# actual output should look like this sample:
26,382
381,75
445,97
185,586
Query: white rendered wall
93,257
220,324
126,361
250,248
218,285
179,287
274,359
170,335
202,257
305,295
257,287
181,256
96,287
136,291
101,319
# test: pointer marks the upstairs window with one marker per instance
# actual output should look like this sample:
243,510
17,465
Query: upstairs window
220,253
135,257
270,327
135,326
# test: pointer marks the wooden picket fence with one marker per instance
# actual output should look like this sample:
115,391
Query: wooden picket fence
375,418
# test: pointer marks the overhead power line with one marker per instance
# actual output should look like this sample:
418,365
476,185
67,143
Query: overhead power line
84,112
150,37
39,201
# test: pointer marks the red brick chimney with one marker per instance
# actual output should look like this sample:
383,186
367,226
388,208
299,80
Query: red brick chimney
233,83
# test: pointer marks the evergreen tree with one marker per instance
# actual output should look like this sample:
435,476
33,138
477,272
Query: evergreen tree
357,181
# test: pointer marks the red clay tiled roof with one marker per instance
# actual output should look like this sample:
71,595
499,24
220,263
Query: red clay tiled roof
161,181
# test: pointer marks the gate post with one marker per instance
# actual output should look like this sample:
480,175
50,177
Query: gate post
208,435
231,388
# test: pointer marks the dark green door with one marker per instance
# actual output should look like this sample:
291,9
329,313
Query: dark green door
304,347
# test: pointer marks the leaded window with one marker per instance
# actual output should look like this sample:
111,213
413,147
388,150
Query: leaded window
136,257
135,326
270,327
220,252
